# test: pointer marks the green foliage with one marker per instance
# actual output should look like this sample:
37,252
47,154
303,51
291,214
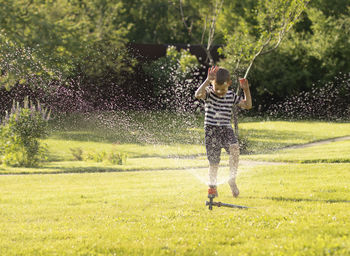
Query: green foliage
331,54
77,153
260,33
97,157
57,39
153,21
175,66
20,133
49,40
315,54
173,76
115,158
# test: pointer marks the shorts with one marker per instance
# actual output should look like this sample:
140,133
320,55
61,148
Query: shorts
216,138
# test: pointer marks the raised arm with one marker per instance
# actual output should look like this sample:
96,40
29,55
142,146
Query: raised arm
201,92
246,103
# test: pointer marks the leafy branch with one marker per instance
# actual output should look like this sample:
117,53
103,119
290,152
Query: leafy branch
274,19
286,25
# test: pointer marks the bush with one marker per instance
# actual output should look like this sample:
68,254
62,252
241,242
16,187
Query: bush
117,158
112,157
77,153
95,156
20,132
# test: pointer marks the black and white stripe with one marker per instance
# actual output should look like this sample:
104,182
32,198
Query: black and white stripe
218,110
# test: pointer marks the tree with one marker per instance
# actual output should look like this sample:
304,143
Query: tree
268,26
209,12
273,20
154,21
56,39
313,54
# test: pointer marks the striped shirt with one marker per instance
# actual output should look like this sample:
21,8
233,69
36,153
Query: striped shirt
218,110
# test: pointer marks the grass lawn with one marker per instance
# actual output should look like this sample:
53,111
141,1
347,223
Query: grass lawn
335,152
164,134
266,136
299,207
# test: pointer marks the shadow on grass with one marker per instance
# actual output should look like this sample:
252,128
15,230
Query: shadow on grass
68,171
289,199
72,170
89,169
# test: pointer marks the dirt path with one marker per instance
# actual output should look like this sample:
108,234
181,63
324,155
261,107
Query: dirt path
318,142
321,142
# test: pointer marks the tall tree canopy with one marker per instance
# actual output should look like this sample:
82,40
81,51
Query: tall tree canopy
67,38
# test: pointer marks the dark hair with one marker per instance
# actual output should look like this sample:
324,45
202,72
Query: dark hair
222,76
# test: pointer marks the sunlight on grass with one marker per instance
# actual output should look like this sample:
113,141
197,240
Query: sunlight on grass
270,135
60,149
85,210
333,152
295,208
163,134
174,151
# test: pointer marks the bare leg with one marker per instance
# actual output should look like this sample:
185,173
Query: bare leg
233,163
213,173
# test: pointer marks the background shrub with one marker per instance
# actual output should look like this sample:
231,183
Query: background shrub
20,132
77,153
112,157
117,158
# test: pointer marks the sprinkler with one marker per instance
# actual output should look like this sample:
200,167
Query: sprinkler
219,204
211,195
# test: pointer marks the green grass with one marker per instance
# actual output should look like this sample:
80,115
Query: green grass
296,210
132,164
175,135
265,136
163,140
333,152
301,207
